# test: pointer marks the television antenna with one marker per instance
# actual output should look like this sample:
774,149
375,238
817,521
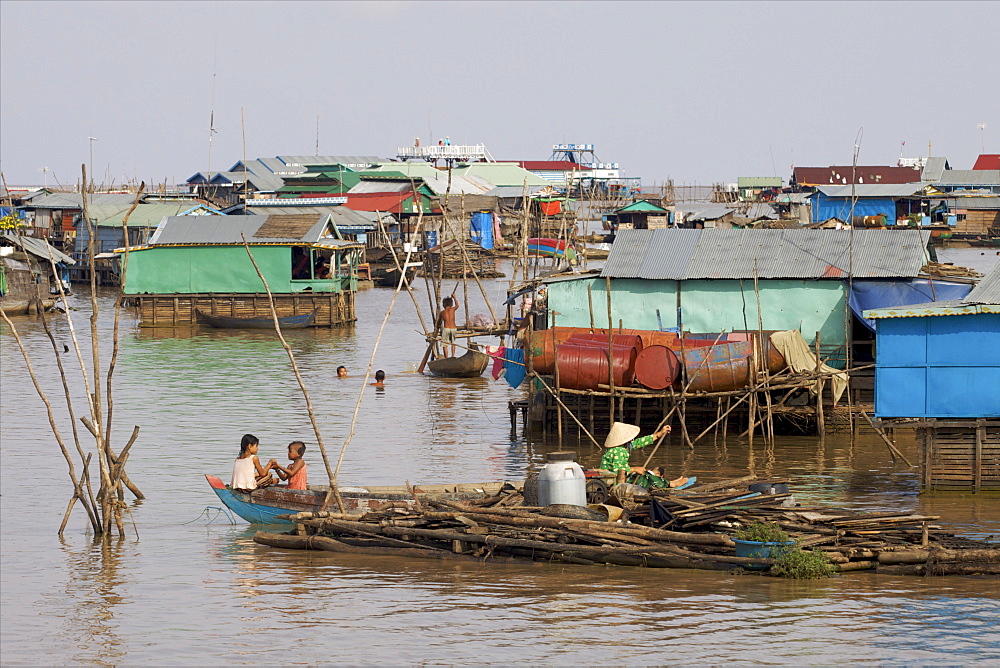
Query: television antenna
45,176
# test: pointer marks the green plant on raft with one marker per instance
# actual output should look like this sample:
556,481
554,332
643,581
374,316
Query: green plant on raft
762,532
798,564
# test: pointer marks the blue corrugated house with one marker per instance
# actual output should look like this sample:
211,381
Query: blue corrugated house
942,359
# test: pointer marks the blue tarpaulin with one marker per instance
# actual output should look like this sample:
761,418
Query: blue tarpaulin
825,208
514,369
885,294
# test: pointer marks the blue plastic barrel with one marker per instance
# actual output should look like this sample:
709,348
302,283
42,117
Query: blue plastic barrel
430,238
481,229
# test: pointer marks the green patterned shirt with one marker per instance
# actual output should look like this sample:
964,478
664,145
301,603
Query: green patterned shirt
616,459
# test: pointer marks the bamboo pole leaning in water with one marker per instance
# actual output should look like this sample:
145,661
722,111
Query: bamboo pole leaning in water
368,372
298,377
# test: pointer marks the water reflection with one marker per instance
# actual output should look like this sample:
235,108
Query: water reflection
95,592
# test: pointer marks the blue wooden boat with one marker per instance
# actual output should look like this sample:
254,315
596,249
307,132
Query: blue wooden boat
229,322
263,506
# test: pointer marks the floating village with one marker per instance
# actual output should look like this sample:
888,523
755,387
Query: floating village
631,314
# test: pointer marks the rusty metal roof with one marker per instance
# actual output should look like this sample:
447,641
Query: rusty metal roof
791,253
987,291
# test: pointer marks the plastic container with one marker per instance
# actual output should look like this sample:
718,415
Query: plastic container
757,550
561,481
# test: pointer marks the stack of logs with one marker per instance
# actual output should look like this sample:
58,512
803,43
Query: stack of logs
697,536
948,270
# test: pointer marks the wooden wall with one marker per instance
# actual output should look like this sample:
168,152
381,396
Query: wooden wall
960,456
334,309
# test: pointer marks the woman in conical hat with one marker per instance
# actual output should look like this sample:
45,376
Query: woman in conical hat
619,444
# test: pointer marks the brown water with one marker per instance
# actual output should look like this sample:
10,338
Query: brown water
195,589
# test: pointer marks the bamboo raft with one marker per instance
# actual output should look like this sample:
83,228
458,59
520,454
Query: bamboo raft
698,535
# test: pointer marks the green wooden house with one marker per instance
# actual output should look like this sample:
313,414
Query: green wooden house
199,263
713,280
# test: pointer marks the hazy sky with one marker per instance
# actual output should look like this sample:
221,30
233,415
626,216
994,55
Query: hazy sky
697,92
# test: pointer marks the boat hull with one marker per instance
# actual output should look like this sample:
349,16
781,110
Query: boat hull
263,506
228,322
470,365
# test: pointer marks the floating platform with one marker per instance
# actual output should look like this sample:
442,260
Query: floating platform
333,309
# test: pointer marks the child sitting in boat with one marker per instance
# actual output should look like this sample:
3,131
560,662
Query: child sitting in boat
295,474
248,474
620,443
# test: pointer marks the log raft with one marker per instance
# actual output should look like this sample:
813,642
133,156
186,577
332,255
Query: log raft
698,535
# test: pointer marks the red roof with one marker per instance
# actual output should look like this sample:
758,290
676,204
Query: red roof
988,161
387,202
825,176
552,166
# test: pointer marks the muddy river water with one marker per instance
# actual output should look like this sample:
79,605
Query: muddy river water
195,589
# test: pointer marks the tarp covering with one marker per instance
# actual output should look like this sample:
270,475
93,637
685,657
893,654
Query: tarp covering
801,358
515,370
885,294
825,208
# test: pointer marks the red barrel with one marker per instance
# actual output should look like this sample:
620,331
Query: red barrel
584,367
656,367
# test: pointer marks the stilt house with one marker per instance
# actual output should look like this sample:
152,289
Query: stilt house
196,264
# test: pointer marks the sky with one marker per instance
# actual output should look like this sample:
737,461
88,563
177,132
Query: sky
697,92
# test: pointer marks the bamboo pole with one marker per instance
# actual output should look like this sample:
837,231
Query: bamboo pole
820,420
611,354
298,377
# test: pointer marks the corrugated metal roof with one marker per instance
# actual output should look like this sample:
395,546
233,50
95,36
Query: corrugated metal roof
347,160
969,177
37,247
977,203
987,161
874,190
792,253
933,169
342,216
73,201
951,307
147,214
208,230
382,187
988,290
863,174
514,192
701,211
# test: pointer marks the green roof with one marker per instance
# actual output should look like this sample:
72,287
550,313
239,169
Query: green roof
145,215
641,205
758,182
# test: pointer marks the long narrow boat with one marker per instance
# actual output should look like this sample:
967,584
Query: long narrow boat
470,365
229,322
263,506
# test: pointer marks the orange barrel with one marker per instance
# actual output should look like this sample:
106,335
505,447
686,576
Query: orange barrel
656,367
601,340
584,367
544,342
693,343
719,368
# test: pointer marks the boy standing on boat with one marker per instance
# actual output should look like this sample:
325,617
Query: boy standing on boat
446,322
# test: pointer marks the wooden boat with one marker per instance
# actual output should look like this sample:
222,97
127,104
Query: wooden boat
542,247
470,365
229,322
263,506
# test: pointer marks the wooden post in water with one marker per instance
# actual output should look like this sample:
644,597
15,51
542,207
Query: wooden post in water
611,358
590,305
559,418
820,419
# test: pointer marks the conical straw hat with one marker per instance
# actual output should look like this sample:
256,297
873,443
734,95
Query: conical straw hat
620,434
